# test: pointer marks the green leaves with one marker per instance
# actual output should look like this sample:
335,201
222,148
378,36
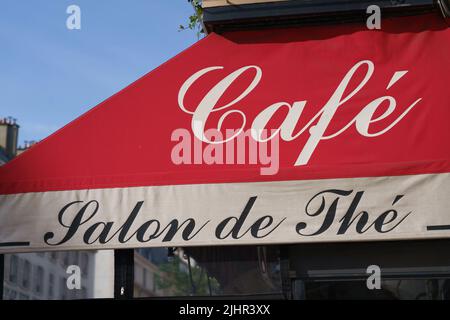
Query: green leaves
195,20
175,280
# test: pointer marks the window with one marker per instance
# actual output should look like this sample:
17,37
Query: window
54,255
23,297
74,258
65,259
13,268
208,271
26,274
51,285
144,278
11,295
38,280
63,289
84,263
391,289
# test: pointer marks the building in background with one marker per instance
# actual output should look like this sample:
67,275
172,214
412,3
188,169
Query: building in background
9,132
43,276
146,272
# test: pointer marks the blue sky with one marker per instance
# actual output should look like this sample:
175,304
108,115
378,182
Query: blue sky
50,75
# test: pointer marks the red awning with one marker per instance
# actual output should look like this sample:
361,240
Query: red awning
355,117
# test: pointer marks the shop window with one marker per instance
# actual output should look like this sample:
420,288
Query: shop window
410,270
391,289
207,271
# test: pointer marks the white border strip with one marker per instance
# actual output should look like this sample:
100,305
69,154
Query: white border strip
385,208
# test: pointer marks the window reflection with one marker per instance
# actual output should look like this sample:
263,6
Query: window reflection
43,275
51,284
38,280
14,269
207,271
392,289
237,271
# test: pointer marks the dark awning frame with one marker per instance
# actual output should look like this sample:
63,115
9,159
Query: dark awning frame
299,12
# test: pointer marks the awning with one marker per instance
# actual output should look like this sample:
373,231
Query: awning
334,133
